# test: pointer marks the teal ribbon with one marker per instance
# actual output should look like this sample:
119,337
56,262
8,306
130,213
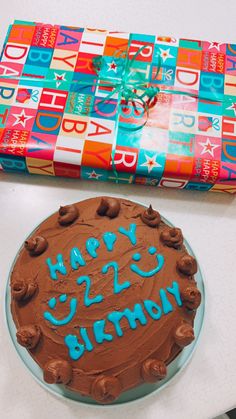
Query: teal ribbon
130,90
127,88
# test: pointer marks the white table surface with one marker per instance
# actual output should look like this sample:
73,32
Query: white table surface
207,387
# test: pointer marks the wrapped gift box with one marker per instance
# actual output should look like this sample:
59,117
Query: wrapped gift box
131,108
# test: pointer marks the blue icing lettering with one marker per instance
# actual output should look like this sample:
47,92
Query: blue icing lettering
153,309
117,287
114,318
52,303
109,240
87,300
91,246
84,335
174,290
131,316
73,306
99,333
76,258
57,267
76,349
152,250
136,257
131,233
148,274
166,305
63,298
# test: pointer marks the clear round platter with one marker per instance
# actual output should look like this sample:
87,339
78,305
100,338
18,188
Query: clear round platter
174,368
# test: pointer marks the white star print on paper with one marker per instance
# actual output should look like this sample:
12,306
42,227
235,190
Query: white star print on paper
59,78
165,54
150,162
93,175
208,147
233,107
112,66
215,45
21,118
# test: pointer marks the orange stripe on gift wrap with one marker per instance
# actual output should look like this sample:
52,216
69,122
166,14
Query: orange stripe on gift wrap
21,34
96,154
177,166
189,58
115,44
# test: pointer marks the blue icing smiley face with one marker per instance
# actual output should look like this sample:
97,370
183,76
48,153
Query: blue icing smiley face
147,274
52,305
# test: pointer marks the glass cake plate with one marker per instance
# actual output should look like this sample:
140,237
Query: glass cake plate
174,368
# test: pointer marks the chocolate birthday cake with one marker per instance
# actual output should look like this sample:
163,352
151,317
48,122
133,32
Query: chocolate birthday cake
104,296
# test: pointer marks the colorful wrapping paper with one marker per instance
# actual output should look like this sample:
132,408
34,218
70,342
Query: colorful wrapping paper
62,116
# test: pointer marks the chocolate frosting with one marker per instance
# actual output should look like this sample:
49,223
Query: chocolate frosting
116,366
28,336
153,370
36,245
22,289
109,207
150,217
57,371
172,237
187,265
67,214
191,297
105,389
184,334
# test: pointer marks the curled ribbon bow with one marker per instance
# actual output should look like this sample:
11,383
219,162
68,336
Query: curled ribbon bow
128,88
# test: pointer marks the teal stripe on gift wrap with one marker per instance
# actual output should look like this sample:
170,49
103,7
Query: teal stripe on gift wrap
141,71
86,85
208,107
190,44
145,180
47,122
13,164
24,22
151,163
120,177
38,78
104,109
211,86
229,106
91,173
58,79
167,53
231,49
181,143
197,186
128,139
229,153
143,38
112,68
40,57
4,113
166,75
